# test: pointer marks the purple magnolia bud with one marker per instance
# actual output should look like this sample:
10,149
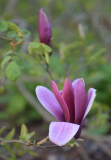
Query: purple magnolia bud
44,28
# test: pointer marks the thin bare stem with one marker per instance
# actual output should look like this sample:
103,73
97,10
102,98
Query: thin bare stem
27,143
4,38
49,72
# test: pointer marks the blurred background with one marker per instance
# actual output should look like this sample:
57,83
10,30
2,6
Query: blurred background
81,32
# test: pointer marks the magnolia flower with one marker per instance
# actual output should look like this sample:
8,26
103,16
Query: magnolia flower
69,106
44,28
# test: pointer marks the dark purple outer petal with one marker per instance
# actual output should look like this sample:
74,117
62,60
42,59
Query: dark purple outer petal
80,129
80,100
89,101
61,102
68,96
44,28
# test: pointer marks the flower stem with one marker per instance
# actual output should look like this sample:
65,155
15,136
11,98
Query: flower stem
4,38
38,144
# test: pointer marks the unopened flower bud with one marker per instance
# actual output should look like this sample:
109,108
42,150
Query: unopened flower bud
44,28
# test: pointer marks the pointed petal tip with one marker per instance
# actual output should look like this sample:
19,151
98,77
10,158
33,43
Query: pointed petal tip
52,81
93,91
80,100
82,81
68,96
61,101
90,99
41,11
54,85
37,88
67,79
76,81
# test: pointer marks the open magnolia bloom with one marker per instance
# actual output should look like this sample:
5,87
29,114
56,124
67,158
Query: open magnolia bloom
70,106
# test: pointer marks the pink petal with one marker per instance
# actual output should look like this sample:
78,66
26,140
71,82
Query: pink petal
80,129
49,102
68,96
61,133
61,101
80,100
74,82
90,98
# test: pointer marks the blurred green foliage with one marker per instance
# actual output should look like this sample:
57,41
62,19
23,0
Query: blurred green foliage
16,150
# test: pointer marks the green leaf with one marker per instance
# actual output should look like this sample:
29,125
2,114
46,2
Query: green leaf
34,44
2,129
6,59
23,132
12,26
12,71
13,156
26,32
17,38
18,61
31,50
9,52
46,47
10,135
33,153
96,56
11,34
29,135
47,57
3,26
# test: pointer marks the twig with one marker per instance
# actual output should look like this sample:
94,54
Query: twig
52,146
49,72
27,143
4,38
26,78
